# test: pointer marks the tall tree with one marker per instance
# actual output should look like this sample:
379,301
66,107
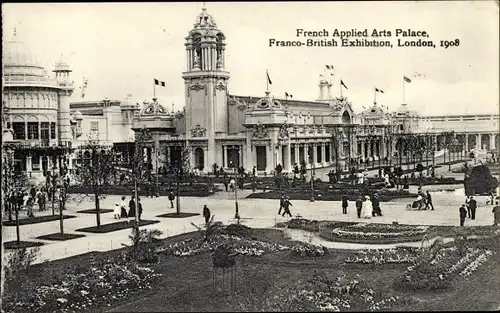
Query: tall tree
96,172
12,182
180,166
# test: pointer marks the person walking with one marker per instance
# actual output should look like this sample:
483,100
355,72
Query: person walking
496,214
139,204
345,204
463,214
123,208
376,205
29,205
171,198
467,205
359,206
232,184
225,181
41,200
117,211
286,207
206,214
367,207
472,207
429,201
131,207
282,203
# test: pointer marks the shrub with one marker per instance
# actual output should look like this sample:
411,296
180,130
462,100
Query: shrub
19,262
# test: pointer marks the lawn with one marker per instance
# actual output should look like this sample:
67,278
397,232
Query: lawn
279,276
36,220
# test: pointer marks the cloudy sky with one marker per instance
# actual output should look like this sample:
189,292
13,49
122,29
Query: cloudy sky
120,47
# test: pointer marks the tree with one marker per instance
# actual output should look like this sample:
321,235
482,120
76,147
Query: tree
12,181
96,171
180,166
479,180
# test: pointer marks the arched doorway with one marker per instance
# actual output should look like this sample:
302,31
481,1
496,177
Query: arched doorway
346,118
485,142
471,141
199,158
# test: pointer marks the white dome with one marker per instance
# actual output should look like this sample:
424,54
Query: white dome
17,53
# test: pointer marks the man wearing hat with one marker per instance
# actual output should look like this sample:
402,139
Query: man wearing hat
463,214
472,207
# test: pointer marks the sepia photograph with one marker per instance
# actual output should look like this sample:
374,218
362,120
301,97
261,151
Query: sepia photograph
250,156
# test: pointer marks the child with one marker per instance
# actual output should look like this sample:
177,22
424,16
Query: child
117,211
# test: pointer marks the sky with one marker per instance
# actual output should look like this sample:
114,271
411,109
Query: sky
121,47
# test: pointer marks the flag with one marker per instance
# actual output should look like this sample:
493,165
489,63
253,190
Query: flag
342,84
268,78
329,67
287,95
159,82
379,90
406,79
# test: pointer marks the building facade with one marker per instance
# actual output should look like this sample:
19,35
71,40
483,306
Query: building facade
36,108
214,126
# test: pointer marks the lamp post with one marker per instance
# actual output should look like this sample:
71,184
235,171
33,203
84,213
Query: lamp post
237,213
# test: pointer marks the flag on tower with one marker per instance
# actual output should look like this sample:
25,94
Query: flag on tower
379,90
268,78
159,82
342,84
406,79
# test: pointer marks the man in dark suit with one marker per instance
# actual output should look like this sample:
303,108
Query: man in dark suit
429,201
463,214
473,207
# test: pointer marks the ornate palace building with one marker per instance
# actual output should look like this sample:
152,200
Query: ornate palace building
35,108
215,126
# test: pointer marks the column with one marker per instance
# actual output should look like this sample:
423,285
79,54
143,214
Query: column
306,158
278,153
240,155
478,142
296,152
466,142
224,156
269,158
29,166
315,154
323,153
492,141
288,158
206,166
363,150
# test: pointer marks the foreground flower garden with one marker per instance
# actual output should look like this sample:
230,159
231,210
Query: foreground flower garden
272,274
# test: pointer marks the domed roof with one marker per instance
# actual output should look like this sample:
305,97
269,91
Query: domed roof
153,109
205,20
17,53
268,102
374,110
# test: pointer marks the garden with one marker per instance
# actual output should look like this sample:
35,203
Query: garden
270,272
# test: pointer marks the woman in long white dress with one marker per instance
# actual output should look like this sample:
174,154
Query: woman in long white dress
367,208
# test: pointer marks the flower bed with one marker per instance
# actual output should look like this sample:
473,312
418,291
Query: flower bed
241,246
432,271
327,195
99,286
319,293
307,249
376,233
384,256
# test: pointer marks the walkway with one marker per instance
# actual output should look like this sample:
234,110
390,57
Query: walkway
260,213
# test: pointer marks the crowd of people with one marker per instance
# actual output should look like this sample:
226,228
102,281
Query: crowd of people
120,209
28,199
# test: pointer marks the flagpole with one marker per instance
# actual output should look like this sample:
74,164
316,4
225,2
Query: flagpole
267,81
154,89
374,95
341,87
404,91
